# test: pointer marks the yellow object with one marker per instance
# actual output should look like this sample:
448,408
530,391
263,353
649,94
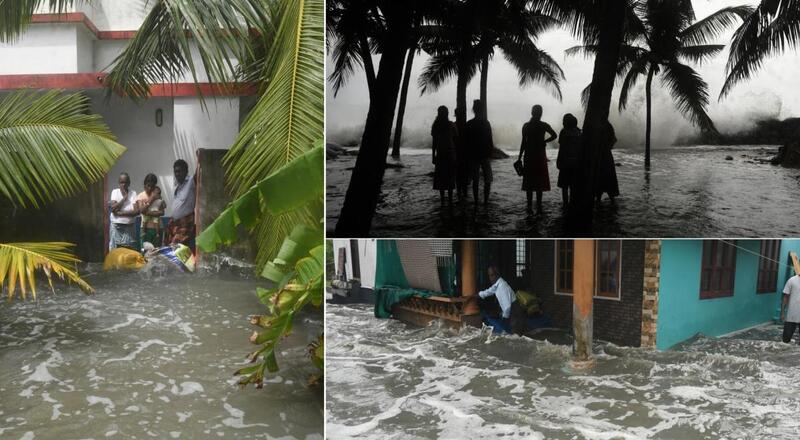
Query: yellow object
123,259
529,301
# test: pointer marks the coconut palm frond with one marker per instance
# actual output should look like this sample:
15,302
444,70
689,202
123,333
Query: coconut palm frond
533,65
706,30
51,146
19,263
636,70
288,116
690,93
699,54
177,37
769,30
15,15
440,68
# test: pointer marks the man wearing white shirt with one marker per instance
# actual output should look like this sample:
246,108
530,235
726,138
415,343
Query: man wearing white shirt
790,308
512,312
123,215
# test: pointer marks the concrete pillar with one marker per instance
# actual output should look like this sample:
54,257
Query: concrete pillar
583,290
469,281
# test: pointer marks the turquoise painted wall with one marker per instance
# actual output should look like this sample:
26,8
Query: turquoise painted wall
681,312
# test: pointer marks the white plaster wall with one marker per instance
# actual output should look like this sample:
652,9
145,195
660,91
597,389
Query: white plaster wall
84,49
215,128
367,259
117,15
105,52
44,48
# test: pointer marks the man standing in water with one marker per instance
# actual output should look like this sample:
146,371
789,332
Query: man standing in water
123,215
480,146
513,314
181,226
790,308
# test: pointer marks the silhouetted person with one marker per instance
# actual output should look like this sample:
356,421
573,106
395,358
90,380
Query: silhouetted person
569,147
463,172
479,138
444,135
607,169
532,151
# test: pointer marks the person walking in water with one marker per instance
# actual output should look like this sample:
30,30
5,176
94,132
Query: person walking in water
569,144
479,138
790,308
444,135
607,169
532,152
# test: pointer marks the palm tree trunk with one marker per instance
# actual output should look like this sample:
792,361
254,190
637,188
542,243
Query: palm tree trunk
462,155
594,127
369,68
484,82
398,129
649,100
365,182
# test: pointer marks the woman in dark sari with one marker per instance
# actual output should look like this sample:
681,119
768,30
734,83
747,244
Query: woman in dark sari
444,135
607,169
569,141
535,176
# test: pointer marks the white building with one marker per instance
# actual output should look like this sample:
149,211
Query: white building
73,51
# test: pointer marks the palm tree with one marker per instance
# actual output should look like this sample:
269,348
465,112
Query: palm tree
505,24
274,167
362,193
669,36
771,28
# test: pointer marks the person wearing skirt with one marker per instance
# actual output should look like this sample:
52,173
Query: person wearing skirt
535,176
444,135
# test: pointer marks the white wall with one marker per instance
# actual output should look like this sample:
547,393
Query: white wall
368,259
117,15
44,48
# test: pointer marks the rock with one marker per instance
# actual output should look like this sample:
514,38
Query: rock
333,150
789,155
498,153
728,157
394,165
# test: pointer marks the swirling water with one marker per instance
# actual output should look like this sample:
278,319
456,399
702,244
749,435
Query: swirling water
689,192
149,355
387,380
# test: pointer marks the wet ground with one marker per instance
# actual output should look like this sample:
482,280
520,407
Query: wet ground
149,356
387,380
690,192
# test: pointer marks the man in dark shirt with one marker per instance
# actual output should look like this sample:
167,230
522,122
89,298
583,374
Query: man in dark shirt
479,140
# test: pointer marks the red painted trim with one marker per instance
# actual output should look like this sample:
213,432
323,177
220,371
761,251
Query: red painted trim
68,17
115,35
89,81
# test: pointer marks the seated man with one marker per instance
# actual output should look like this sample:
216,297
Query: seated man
512,312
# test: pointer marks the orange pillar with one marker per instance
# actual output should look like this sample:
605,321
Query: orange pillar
583,291
469,281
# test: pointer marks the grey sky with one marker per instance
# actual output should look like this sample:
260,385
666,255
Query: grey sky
772,93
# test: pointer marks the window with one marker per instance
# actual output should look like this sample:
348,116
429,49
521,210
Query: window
564,249
718,269
522,259
768,266
607,260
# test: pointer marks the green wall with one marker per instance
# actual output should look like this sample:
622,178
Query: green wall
681,312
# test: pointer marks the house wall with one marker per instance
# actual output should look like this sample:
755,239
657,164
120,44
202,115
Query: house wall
617,321
682,313
43,48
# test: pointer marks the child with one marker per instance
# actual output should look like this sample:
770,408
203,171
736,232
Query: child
151,206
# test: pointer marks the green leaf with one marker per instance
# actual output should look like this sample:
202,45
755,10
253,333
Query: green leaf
51,146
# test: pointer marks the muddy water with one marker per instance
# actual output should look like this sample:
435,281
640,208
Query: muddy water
387,380
690,192
148,356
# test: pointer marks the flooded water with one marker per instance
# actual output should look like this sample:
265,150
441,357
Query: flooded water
149,357
387,380
690,192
